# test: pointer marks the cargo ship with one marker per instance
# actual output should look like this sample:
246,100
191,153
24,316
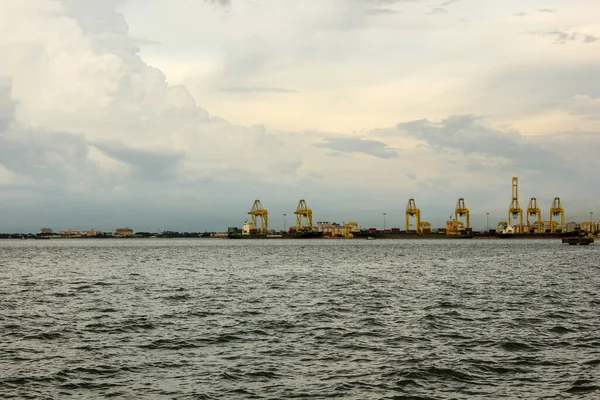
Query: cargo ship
509,232
247,232
452,231
295,235
539,235
369,233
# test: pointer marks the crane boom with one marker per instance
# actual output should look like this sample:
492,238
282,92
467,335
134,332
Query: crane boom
534,210
515,209
555,210
460,211
302,211
258,210
413,211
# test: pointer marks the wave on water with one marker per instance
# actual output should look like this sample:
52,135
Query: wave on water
218,319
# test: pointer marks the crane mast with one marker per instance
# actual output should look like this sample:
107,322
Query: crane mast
534,210
460,211
413,211
515,210
302,211
258,210
557,209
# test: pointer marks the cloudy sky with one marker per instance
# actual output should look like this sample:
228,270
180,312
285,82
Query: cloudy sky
177,114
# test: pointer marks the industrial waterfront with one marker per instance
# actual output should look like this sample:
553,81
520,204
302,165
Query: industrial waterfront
457,226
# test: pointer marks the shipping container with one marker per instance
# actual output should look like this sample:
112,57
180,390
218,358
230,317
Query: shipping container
427,231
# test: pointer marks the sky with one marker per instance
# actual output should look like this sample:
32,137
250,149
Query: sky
178,114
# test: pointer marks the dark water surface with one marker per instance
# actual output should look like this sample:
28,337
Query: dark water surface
279,319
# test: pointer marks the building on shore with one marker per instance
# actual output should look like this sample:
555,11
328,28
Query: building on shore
330,229
69,233
123,232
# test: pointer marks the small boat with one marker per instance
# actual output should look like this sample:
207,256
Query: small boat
578,241
370,238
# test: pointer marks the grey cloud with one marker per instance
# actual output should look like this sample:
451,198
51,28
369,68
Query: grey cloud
469,135
584,106
316,175
521,14
448,2
240,89
223,3
564,36
106,27
53,160
536,89
97,16
7,106
437,11
374,148
461,132
291,167
547,10
150,165
56,162
45,157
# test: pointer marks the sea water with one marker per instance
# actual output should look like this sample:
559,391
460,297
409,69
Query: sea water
316,319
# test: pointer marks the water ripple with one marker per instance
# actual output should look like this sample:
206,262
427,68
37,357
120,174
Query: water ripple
213,319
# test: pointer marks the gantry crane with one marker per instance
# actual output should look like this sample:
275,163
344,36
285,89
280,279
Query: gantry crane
533,209
350,228
453,226
587,226
424,227
303,211
462,210
515,209
413,211
554,211
259,211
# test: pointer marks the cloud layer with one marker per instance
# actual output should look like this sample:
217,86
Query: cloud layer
354,105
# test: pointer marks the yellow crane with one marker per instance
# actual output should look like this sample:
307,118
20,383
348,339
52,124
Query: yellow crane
502,225
550,226
259,211
557,209
534,210
303,211
588,226
453,226
424,226
413,211
462,210
515,210
350,228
